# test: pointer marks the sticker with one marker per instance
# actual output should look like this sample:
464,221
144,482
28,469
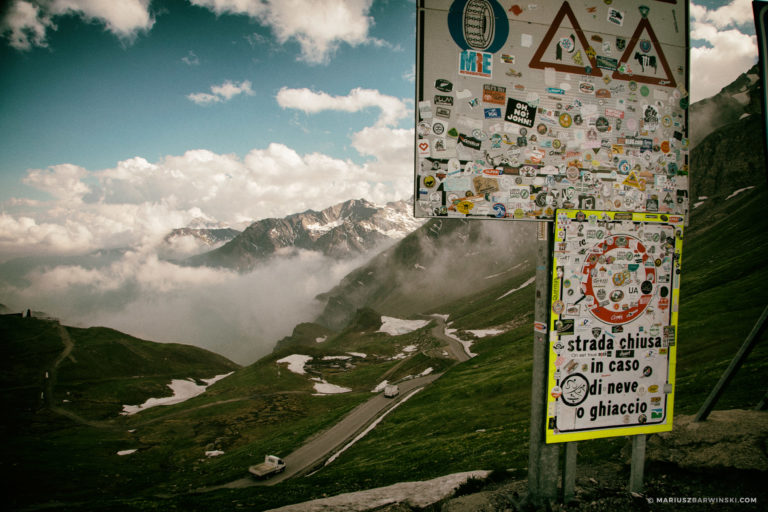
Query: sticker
494,94
520,113
443,85
474,63
465,207
615,16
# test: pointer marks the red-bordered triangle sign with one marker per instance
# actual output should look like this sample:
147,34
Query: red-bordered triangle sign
536,62
635,63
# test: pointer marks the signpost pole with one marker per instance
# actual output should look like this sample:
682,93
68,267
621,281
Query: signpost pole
638,463
569,471
542,457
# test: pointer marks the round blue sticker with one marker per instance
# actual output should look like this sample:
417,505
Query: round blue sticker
478,25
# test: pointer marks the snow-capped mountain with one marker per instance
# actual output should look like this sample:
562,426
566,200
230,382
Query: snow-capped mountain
344,230
210,237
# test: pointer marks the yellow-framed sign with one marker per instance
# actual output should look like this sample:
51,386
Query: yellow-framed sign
613,324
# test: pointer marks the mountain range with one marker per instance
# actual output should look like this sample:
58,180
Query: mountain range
341,231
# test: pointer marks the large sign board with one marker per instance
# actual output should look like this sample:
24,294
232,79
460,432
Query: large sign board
613,328
523,108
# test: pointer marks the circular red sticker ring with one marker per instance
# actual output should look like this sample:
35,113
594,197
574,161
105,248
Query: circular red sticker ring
624,316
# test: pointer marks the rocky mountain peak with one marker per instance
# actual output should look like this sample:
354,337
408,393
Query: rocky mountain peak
343,230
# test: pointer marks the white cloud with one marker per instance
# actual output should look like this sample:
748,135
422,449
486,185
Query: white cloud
26,22
238,316
738,12
223,92
729,51
311,102
62,181
410,75
138,202
191,59
25,25
319,26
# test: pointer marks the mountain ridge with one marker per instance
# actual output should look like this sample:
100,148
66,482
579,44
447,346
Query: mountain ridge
343,230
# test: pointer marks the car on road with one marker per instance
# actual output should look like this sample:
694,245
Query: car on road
391,390
271,466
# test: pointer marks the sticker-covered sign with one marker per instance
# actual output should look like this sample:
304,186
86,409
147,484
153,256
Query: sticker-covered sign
567,104
615,293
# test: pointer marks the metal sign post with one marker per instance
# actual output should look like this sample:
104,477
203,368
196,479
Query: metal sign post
542,457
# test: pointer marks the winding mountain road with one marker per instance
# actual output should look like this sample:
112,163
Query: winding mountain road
315,452
455,349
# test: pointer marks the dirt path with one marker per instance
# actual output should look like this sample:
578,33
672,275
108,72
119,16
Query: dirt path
52,377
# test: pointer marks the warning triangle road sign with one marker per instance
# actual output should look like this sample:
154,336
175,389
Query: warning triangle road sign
569,52
645,61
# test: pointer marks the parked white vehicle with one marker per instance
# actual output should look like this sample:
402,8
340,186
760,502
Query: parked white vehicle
271,465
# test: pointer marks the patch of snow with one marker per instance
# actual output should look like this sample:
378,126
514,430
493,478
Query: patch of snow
336,358
358,354
737,192
697,204
217,378
426,372
321,339
482,333
213,453
419,267
324,228
396,326
295,362
414,494
126,452
444,317
410,348
380,386
371,426
745,114
325,388
182,390
466,344
519,287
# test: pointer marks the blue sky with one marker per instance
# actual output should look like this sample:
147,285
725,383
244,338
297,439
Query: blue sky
94,96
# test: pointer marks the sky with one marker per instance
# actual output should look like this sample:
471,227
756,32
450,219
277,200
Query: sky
123,119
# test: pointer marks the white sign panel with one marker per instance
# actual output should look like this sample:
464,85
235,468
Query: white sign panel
523,108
